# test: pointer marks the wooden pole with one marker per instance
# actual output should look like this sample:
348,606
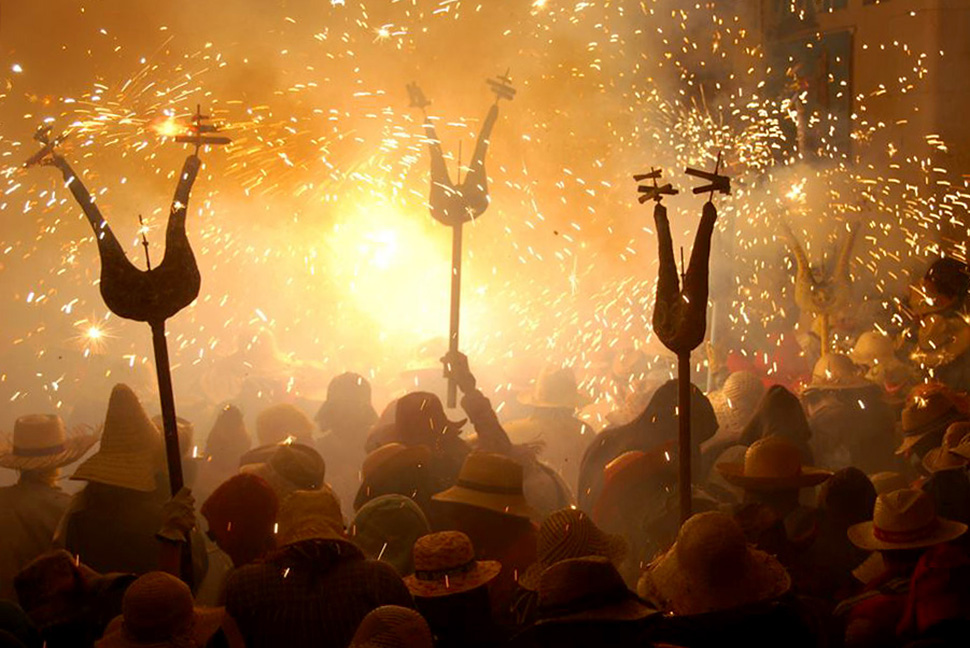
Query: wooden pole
455,306
173,455
683,427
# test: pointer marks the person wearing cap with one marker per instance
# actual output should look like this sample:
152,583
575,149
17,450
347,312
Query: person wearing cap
850,420
772,476
564,534
314,590
228,440
343,420
584,602
386,529
158,611
656,425
488,504
113,522
31,509
241,519
780,413
70,603
552,424
904,526
717,589
451,589
397,469
930,409
393,626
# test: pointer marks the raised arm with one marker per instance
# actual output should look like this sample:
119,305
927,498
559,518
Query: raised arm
491,434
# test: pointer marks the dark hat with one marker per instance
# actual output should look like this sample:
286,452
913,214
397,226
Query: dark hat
587,589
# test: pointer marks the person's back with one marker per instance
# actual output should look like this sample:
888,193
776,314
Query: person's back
29,513
317,588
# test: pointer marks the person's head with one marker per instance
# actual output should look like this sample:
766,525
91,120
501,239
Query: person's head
492,482
280,422
904,524
52,586
386,529
393,626
158,610
944,284
348,405
241,514
419,419
40,445
310,515
228,438
290,467
554,389
780,413
950,490
659,419
847,497
929,411
395,469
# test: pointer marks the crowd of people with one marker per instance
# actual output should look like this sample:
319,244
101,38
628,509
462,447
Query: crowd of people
833,513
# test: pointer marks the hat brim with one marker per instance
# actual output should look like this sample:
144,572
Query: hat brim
762,578
483,572
940,459
809,476
515,505
131,470
615,549
855,382
962,450
207,623
76,445
630,609
863,536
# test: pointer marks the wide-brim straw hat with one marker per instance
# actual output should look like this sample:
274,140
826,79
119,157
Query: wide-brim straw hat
587,589
41,442
925,415
872,346
835,371
445,564
555,388
772,463
904,519
712,568
393,626
130,451
490,481
945,457
570,533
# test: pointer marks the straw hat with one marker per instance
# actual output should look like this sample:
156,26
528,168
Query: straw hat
444,564
130,446
711,567
40,441
736,402
158,611
587,589
888,481
927,411
490,481
555,387
393,626
872,347
836,371
904,519
420,417
278,422
570,533
945,457
310,515
772,463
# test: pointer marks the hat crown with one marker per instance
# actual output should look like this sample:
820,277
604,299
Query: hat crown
955,434
392,626
773,456
711,547
904,511
926,407
277,422
156,607
873,345
443,551
127,427
574,580
568,533
491,472
38,432
555,385
379,457
308,514
834,369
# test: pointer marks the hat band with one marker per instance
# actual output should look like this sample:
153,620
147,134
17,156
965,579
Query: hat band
39,452
899,537
489,488
441,574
